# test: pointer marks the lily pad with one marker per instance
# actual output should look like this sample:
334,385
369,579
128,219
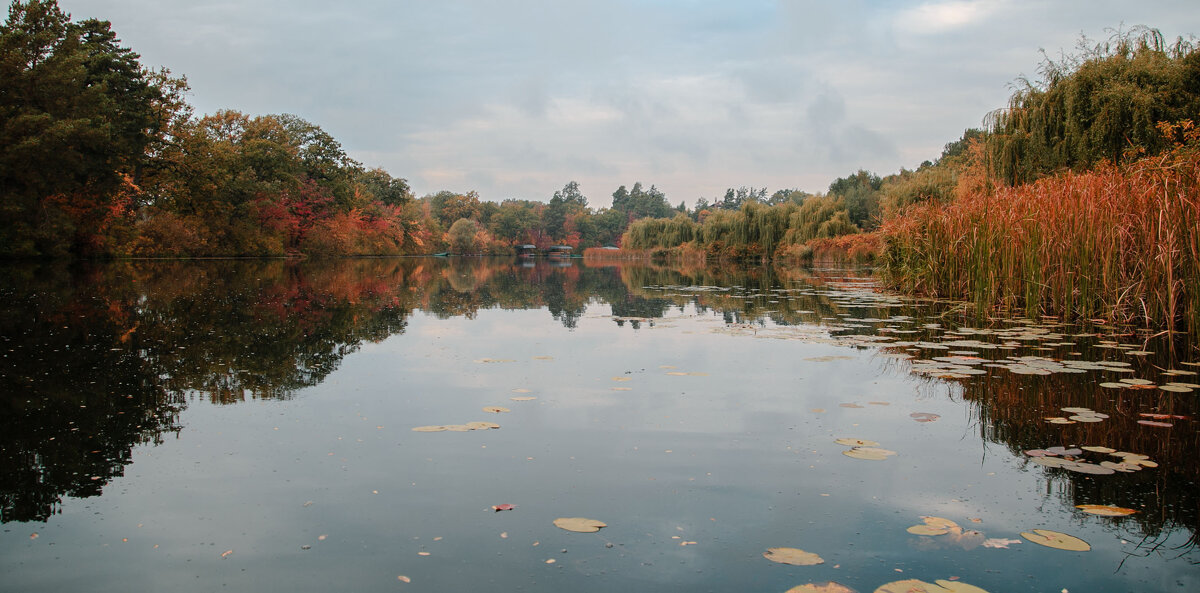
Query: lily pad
1176,388
869,453
924,416
1155,423
1105,510
927,530
793,556
857,443
1087,468
1054,539
495,409
1050,461
429,429
1059,450
917,586
579,524
1121,467
830,587
523,398
935,526
1098,449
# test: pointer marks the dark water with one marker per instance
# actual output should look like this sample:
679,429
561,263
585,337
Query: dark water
247,426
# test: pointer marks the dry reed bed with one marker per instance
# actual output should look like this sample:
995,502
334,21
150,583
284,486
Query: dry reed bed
1117,243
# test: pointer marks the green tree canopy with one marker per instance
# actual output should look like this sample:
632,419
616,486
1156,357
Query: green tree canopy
1101,104
76,115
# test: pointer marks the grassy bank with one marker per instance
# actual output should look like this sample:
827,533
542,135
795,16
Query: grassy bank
1117,243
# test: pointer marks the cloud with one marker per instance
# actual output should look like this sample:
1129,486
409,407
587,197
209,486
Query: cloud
514,99
939,17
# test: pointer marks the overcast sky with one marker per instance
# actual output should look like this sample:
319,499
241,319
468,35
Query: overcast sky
514,98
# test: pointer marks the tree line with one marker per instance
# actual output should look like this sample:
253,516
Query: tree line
101,156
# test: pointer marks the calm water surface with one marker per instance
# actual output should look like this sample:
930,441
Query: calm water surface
249,427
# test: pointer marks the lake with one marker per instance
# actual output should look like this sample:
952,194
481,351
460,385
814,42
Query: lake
249,426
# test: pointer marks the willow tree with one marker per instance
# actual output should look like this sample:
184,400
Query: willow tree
1102,104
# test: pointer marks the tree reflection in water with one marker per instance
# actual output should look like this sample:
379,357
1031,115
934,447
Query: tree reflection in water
100,358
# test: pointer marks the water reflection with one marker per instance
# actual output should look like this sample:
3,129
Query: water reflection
101,358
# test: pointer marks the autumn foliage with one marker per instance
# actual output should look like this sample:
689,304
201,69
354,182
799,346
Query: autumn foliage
1117,243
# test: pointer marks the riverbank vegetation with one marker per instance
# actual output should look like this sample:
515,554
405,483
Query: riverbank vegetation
1078,198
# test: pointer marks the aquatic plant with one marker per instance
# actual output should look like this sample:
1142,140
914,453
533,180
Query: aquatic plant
1120,243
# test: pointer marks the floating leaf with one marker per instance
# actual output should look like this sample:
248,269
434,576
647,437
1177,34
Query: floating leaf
1121,467
1105,510
495,409
503,507
403,579
523,398
620,379
869,453
857,443
1111,385
1176,388
927,530
1155,423
579,524
792,556
521,390
1050,461
941,523
1137,381
1098,449
830,587
1083,467
924,416
1064,450
917,586
1054,539
429,429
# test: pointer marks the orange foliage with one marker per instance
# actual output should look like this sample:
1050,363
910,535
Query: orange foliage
1122,243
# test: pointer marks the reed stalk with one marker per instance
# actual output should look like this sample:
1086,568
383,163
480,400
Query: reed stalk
1117,243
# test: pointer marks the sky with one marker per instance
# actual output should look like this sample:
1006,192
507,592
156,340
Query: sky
515,98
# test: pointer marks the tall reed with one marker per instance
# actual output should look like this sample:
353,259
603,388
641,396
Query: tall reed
1117,243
